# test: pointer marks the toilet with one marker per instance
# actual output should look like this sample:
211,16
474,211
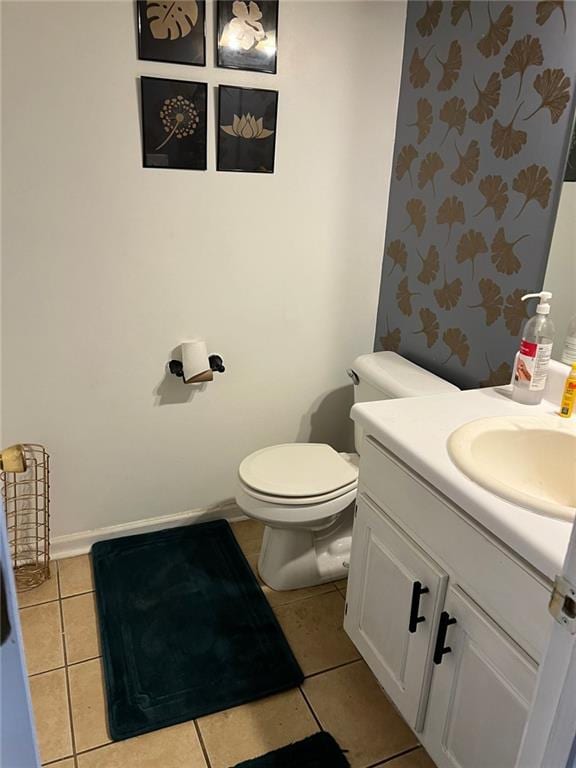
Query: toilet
304,493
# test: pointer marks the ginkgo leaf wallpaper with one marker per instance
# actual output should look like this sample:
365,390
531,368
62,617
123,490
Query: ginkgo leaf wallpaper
484,120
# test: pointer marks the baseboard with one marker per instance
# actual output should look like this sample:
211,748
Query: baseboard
80,543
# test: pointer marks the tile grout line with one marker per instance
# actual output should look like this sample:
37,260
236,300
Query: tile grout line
77,594
67,665
332,669
69,697
309,705
202,745
396,756
47,671
316,595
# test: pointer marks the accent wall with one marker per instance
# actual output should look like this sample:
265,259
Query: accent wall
484,122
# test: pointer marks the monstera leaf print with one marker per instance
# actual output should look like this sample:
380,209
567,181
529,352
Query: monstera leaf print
458,9
507,141
535,184
488,98
418,73
405,159
553,86
449,295
392,339
404,297
467,164
429,21
471,245
503,256
525,53
429,167
495,192
171,20
430,327
457,342
515,311
453,113
430,266
417,212
498,377
451,212
423,119
397,252
498,32
545,9
451,67
491,300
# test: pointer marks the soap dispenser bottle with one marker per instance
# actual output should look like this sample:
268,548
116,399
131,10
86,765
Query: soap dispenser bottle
531,369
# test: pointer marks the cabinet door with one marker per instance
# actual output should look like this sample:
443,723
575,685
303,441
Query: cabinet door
394,597
481,691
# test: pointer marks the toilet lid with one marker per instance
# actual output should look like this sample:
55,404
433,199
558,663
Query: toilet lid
297,470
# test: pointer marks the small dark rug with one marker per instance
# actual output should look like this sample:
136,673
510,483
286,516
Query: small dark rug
318,751
185,628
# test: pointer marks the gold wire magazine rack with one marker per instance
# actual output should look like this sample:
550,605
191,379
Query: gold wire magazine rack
26,495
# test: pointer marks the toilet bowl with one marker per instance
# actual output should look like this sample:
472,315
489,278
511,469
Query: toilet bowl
304,493
301,492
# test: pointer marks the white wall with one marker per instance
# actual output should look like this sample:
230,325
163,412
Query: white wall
560,276
108,266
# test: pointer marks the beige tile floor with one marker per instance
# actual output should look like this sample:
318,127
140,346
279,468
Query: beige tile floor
339,694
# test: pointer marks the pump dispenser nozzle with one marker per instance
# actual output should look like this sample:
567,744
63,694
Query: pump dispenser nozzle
543,307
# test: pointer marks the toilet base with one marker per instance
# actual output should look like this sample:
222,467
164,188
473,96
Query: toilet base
294,558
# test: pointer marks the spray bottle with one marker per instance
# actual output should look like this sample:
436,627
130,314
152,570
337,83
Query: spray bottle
531,369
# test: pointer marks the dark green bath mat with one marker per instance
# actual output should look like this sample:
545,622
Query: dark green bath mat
185,628
318,751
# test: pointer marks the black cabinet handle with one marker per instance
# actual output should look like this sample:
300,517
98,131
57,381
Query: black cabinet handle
417,590
441,649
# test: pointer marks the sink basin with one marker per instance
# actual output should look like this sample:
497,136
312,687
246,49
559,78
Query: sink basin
528,460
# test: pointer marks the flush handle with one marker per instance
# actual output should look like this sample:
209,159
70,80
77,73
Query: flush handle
354,376
415,619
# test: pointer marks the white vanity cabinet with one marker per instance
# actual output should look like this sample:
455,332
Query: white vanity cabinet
450,622
481,691
395,596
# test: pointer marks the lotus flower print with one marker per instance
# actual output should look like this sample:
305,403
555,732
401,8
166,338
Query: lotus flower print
247,127
245,29
179,118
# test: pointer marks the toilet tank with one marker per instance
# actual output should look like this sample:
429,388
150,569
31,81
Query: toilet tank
387,375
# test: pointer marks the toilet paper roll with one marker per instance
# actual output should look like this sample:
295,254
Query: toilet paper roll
195,364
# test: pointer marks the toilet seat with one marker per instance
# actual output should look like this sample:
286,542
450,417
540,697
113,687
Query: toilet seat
293,515
298,473
298,501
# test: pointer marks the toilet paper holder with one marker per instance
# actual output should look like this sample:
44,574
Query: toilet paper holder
216,365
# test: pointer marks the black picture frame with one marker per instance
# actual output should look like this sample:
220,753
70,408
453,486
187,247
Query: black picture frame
247,124
184,27
174,120
262,55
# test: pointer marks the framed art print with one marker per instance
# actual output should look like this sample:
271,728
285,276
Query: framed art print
248,34
172,31
246,129
173,123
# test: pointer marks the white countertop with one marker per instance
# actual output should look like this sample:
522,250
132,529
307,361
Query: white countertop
416,430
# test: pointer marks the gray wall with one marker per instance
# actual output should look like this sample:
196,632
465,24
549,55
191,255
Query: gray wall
484,118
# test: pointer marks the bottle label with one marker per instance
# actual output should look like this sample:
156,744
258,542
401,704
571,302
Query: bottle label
532,367
569,353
